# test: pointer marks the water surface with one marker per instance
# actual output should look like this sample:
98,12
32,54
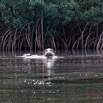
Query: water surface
75,78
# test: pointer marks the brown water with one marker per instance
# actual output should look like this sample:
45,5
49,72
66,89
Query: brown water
75,78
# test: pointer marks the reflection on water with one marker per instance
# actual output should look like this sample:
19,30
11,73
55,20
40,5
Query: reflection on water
76,78
49,62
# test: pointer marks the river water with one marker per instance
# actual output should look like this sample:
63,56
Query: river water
73,77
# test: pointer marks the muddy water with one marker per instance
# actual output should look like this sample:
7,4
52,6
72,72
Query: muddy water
75,78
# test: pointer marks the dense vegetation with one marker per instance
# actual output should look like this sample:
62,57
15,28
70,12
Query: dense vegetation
60,24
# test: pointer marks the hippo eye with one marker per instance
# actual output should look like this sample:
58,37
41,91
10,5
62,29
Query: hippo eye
51,50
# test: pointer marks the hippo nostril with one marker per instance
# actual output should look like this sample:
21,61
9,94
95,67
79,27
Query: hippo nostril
48,52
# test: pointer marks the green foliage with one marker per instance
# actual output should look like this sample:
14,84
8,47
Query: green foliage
55,12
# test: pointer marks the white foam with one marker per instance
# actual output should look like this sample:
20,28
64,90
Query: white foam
34,57
29,56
